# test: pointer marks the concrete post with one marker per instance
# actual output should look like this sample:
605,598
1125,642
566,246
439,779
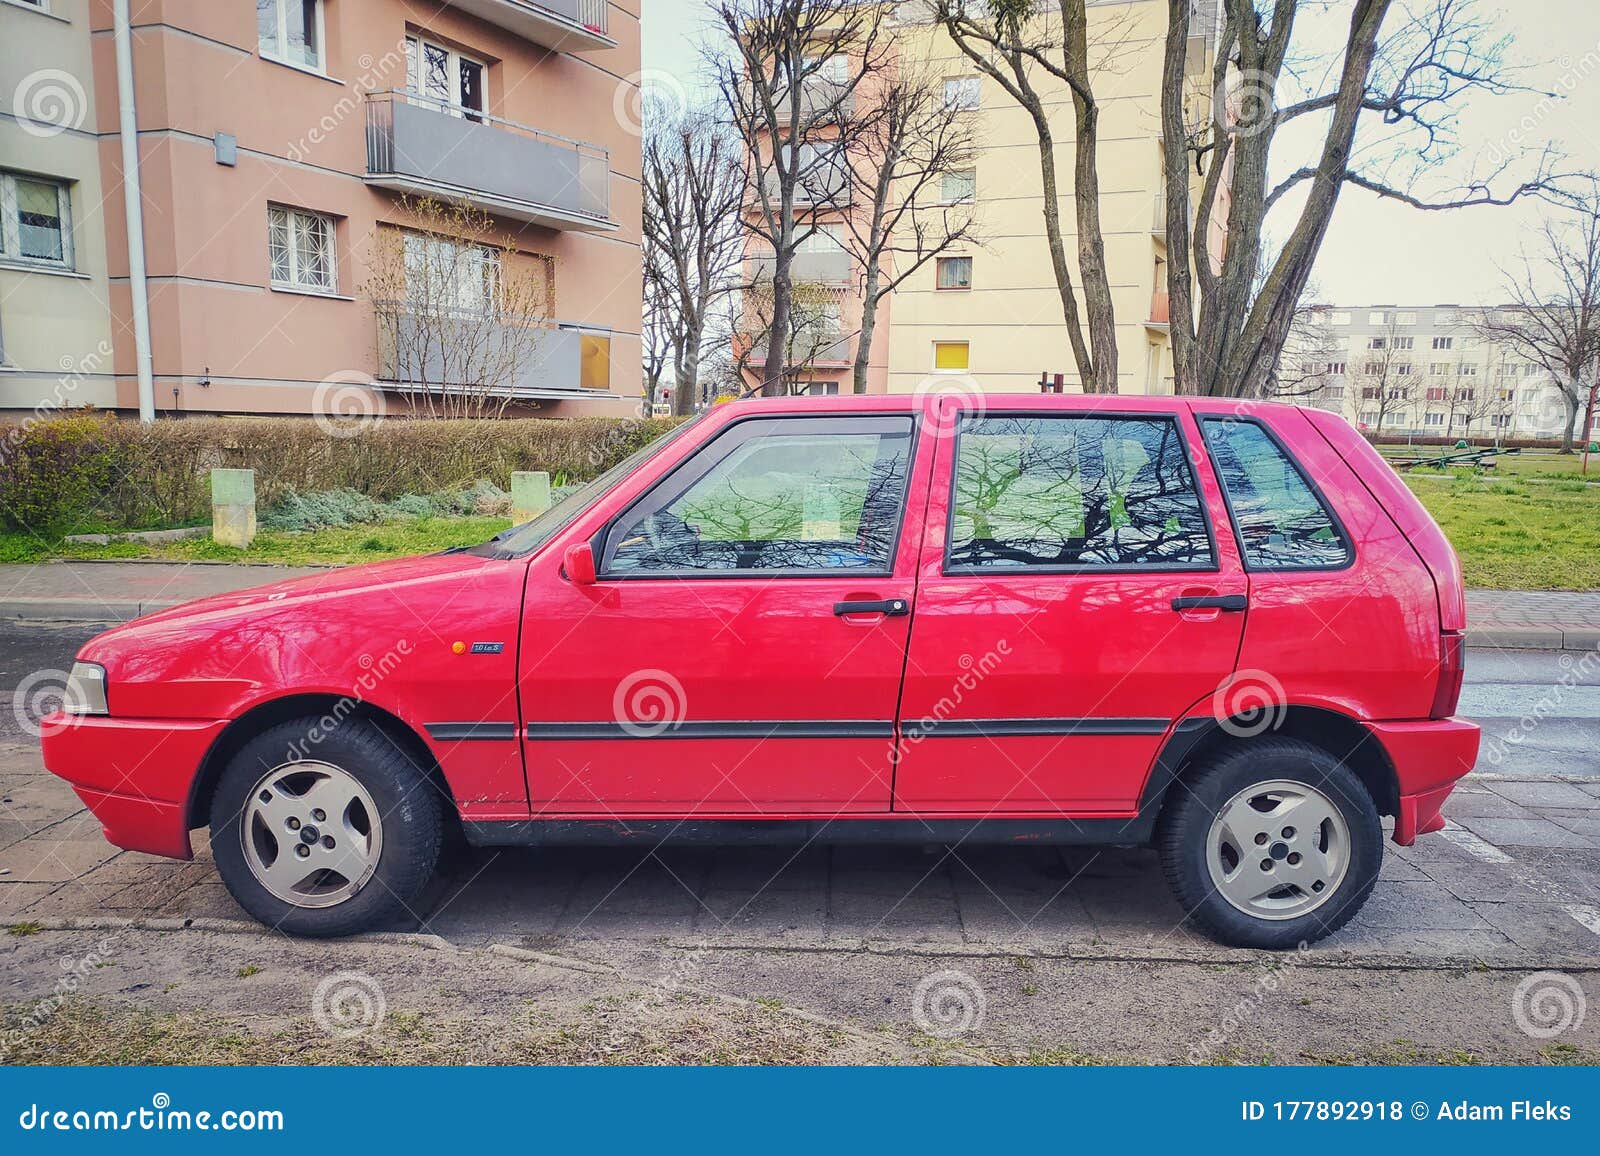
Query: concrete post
530,494
233,507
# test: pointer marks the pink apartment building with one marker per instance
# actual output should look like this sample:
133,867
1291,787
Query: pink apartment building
275,139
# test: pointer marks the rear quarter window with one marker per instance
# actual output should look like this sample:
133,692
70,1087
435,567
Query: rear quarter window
1281,520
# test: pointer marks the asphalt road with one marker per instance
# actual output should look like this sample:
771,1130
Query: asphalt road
1540,710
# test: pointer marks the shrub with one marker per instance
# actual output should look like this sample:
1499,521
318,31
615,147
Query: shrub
84,470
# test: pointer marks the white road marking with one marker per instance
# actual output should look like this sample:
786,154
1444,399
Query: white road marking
1474,846
1588,916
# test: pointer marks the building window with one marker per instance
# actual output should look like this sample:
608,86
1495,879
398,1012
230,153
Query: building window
1378,317
1339,317
1374,369
950,355
442,274
1376,343
290,31
961,92
1437,394
1439,368
1404,318
957,186
1404,342
444,79
1500,420
1467,369
1334,392
1433,419
1369,417
301,247
954,272
1336,368
1403,369
1444,342
35,221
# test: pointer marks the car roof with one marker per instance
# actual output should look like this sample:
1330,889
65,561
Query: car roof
968,397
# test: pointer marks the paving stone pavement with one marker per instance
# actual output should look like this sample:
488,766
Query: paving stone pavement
1518,871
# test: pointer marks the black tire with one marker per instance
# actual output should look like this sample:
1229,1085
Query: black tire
407,800
1194,803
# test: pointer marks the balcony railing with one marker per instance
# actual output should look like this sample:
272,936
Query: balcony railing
422,146
815,347
416,352
829,268
565,25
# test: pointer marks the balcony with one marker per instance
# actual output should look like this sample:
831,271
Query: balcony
816,348
824,268
820,101
417,354
424,147
563,25
1160,312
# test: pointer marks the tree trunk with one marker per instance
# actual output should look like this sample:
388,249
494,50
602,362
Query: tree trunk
777,336
1569,399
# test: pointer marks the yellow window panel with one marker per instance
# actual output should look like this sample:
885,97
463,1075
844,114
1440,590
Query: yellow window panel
950,355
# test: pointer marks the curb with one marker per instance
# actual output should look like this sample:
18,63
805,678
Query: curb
125,610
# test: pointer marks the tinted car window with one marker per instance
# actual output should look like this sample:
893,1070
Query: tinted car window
811,494
1074,491
1282,523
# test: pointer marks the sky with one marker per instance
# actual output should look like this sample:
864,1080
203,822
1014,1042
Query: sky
1376,252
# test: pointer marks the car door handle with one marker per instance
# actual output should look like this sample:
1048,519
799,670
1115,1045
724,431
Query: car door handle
1211,602
890,607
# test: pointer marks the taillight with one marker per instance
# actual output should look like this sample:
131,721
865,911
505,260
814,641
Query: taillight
1452,666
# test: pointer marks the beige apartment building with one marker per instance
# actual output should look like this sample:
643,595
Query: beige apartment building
1419,370
990,313
276,140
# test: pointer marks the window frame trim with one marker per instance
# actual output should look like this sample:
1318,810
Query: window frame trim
292,285
1173,418
601,538
11,254
279,53
1345,537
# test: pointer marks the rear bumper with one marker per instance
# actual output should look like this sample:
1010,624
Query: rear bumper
1428,758
134,774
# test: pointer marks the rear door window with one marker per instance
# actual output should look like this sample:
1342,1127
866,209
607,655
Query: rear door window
1075,492
1281,520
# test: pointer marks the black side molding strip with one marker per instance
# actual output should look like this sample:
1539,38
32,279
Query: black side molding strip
471,732
779,729
797,832
1022,727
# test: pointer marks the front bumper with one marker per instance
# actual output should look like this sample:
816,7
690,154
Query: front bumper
136,775
1428,757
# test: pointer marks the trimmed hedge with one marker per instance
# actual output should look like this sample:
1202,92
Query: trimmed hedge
95,471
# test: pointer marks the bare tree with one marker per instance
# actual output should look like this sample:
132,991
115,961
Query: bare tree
1311,367
461,310
811,332
790,87
1407,78
914,143
1386,377
693,195
1553,319
1016,43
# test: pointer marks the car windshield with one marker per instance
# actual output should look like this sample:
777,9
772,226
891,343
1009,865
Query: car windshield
529,536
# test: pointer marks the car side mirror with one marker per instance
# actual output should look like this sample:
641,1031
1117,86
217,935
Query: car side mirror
578,562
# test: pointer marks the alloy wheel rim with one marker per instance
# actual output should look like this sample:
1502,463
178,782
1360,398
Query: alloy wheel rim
1278,850
311,834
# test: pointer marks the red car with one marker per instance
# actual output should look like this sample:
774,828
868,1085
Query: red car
1223,628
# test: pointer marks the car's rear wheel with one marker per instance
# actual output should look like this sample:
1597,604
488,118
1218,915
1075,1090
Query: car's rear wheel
1271,843
325,839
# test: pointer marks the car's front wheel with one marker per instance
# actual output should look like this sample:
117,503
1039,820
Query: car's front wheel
325,839
1271,843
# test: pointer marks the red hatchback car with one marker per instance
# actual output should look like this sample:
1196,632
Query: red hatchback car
1224,628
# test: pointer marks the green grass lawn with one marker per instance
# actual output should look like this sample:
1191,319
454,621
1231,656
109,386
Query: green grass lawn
335,546
1518,534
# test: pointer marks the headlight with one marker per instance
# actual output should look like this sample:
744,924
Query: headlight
86,689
